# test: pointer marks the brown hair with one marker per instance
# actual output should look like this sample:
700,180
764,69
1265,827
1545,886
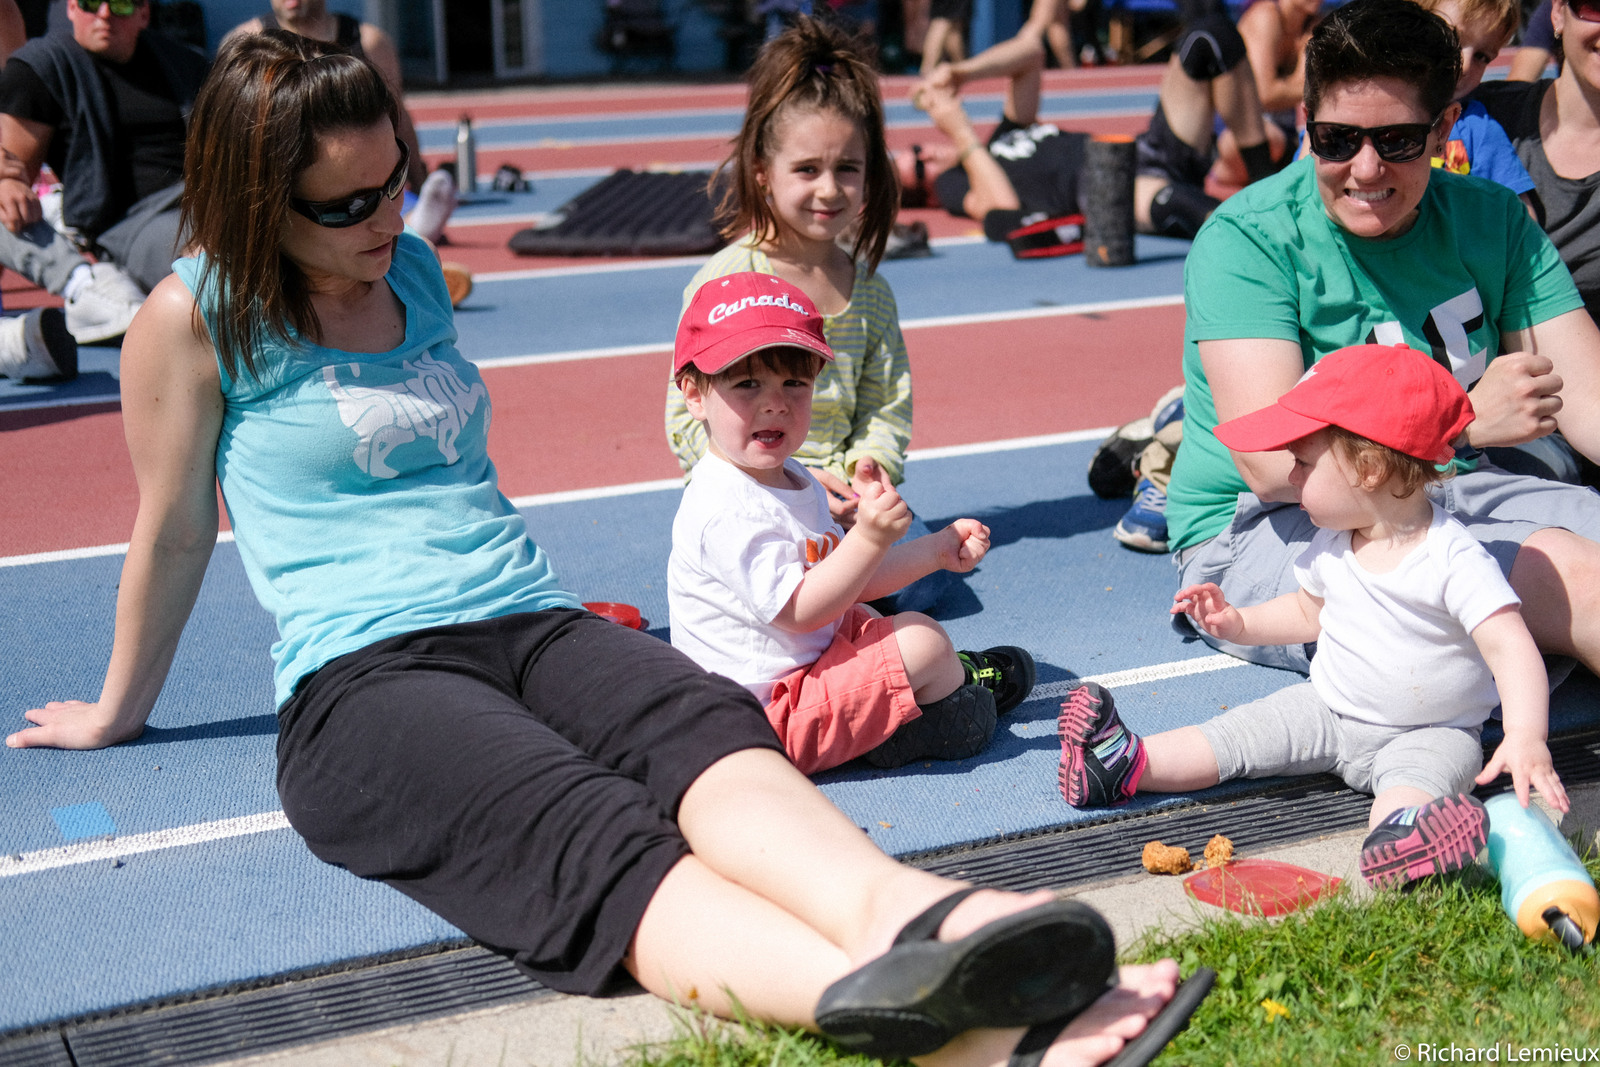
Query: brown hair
1377,464
253,130
1504,14
811,67
787,360
1368,39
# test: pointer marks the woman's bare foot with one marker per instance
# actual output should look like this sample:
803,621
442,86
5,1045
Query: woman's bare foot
1092,1038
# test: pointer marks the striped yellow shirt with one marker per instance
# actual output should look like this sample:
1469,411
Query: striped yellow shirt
862,403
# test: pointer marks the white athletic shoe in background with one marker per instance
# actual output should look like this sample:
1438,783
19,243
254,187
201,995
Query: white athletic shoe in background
102,307
37,346
436,202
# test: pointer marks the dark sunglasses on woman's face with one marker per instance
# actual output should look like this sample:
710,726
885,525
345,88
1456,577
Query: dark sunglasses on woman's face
359,206
120,8
1399,143
1587,10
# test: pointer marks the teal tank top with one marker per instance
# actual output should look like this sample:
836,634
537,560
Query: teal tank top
360,489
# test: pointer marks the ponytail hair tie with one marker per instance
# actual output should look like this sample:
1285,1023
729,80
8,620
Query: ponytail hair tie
823,69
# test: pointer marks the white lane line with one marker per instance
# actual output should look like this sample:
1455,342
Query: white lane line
653,263
1159,672
571,495
933,322
661,484
116,848
224,537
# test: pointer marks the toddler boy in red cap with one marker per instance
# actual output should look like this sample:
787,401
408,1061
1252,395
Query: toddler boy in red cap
765,587
1418,635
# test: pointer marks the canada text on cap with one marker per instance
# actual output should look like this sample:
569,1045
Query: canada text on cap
730,317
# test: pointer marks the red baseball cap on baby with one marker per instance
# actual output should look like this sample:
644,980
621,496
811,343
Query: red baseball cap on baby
1390,394
730,317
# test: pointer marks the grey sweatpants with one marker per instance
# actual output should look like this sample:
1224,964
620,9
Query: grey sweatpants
1294,732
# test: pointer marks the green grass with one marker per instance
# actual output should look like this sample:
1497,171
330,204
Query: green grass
1347,982
1342,983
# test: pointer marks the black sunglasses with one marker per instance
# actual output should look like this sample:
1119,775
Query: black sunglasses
120,8
1399,143
357,207
1587,10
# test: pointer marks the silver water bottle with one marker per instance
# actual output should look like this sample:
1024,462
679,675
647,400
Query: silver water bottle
466,156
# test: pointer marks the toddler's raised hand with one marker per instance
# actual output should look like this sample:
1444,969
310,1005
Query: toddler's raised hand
1209,609
962,545
881,515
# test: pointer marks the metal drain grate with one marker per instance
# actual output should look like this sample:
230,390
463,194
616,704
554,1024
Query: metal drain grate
48,1049
302,1009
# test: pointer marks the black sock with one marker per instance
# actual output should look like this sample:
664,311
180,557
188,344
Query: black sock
1258,160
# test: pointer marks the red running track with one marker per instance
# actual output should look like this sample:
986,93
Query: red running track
69,483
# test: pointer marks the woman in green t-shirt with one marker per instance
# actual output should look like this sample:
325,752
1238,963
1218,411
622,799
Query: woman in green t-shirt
1364,241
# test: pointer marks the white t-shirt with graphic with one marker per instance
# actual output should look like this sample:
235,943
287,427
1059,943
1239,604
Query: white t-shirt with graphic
739,551
1396,648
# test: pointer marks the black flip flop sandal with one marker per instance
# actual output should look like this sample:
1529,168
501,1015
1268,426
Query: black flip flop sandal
923,992
1168,1024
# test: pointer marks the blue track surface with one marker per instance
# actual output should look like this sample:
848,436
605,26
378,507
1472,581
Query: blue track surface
228,911
91,936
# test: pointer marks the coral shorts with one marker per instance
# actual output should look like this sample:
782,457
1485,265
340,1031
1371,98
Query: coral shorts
849,701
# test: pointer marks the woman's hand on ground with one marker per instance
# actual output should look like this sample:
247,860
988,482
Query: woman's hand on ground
72,724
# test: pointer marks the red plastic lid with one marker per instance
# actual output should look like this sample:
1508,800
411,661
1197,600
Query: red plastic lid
1259,887
626,614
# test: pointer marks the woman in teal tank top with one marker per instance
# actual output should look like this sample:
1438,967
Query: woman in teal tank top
571,793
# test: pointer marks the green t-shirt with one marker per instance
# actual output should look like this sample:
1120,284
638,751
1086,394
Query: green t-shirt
1269,263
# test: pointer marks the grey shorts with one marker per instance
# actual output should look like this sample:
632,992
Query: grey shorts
1293,732
1253,559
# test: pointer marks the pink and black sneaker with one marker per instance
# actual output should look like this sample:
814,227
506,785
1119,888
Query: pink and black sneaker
1101,759
1440,836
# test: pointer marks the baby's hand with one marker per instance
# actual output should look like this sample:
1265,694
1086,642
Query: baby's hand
962,545
881,515
1209,609
1528,760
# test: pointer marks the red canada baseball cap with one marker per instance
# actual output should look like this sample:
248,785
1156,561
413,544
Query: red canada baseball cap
1390,394
730,317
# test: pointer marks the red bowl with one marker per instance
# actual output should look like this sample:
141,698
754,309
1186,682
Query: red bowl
626,614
